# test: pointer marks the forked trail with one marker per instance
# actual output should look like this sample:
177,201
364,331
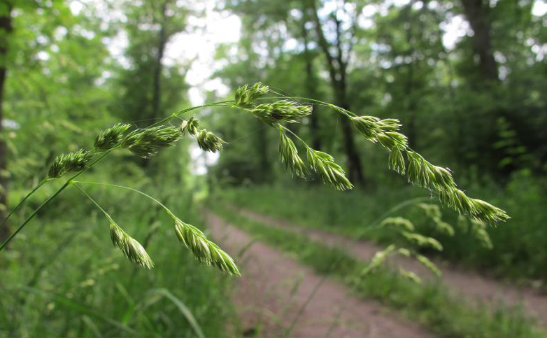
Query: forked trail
471,285
275,290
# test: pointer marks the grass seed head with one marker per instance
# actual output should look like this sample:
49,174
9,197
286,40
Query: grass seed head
289,156
245,95
111,137
191,126
203,249
209,141
65,163
130,247
329,172
148,142
281,111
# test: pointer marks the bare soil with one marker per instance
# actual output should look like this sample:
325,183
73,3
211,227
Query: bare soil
274,290
471,285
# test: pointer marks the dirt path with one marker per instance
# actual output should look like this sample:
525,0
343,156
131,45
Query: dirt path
472,286
274,289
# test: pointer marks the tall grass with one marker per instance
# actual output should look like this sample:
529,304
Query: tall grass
63,277
518,245
432,305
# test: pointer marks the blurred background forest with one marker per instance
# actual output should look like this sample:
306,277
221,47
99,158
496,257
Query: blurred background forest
466,78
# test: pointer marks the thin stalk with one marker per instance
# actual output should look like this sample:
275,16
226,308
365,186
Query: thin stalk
67,183
376,224
184,111
94,202
326,104
46,202
127,188
44,181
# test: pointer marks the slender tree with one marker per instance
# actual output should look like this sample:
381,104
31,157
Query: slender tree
5,30
337,64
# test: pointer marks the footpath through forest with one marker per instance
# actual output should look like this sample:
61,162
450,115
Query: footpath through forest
277,296
463,283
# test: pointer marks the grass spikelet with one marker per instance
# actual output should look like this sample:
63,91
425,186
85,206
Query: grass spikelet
367,126
378,259
429,264
289,156
409,275
65,163
203,249
209,141
329,172
148,142
191,126
398,222
111,137
397,161
130,247
422,241
245,95
281,111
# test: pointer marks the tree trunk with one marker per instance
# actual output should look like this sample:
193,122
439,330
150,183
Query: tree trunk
311,83
339,85
477,13
5,29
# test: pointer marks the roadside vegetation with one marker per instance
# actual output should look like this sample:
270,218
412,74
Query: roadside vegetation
430,304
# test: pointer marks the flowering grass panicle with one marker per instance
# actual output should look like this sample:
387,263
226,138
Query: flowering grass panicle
191,126
130,247
245,95
111,137
329,172
289,156
147,142
209,141
281,111
203,249
70,162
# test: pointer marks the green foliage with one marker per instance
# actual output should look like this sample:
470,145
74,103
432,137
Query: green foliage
61,286
429,304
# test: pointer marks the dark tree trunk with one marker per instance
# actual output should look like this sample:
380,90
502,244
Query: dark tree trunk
264,174
311,91
5,29
337,73
477,13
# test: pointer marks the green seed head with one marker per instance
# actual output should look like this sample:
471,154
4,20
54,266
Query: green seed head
209,141
130,247
191,126
65,163
111,137
148,142
281,111
245,95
